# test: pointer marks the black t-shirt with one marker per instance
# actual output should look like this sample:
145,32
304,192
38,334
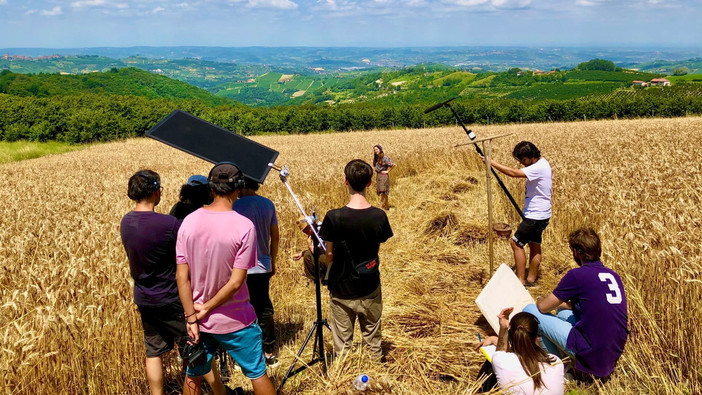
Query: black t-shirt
149,239
362,230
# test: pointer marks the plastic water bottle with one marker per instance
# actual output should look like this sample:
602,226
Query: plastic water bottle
361,382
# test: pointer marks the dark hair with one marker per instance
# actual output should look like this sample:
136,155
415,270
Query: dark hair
523,330
526,149
251,184
358,173
587,243
195,195
377,157
143,184
223,188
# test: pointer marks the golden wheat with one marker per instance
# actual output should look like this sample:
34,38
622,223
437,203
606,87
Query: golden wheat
69,324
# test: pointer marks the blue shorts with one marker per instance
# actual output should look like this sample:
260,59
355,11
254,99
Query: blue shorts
243,345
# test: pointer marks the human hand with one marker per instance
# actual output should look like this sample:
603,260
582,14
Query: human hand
297,256
273,271
488,341
482,158
384,172
504,317
194,331
201,311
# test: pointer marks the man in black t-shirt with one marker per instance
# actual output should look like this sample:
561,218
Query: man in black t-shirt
353,235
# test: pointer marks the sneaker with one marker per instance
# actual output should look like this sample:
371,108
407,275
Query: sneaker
235,391
271,361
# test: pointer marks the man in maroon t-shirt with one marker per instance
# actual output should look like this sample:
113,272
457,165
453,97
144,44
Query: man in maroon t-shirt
591,321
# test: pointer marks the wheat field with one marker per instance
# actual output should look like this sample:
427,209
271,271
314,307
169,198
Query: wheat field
69,324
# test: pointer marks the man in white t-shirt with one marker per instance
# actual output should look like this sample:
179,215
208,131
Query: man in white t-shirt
537,207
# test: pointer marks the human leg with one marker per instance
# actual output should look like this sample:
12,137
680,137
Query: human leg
245,347
258,285
534,261
552,330
154,374
263,386
519,259
370,311
341,320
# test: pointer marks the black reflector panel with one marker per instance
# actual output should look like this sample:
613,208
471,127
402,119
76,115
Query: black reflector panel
198,137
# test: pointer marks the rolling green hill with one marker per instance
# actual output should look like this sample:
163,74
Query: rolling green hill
125,82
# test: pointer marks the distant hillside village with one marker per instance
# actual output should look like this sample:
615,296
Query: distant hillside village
653,82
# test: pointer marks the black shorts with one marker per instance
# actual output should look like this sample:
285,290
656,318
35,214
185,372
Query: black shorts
529,231
163,326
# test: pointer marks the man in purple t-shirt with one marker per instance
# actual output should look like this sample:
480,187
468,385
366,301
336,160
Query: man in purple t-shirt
591,321
149,240
215,248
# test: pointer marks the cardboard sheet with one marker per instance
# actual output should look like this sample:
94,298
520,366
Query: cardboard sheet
503,290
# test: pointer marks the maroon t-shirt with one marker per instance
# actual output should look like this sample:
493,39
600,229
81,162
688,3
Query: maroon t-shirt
149,239
599,307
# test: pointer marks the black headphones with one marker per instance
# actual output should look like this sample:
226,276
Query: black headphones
152,182
237,182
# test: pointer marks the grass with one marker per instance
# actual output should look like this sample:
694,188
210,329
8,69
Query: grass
65,290
21,150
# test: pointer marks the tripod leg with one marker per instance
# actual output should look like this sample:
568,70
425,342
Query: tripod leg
292,366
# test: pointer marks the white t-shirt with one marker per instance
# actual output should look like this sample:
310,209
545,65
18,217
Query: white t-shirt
512,378
537,200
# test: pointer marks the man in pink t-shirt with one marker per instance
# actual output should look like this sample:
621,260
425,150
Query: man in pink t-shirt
215,248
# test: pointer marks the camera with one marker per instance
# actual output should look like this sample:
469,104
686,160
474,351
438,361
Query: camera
192,353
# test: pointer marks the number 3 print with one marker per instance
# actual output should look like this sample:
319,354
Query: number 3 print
616,296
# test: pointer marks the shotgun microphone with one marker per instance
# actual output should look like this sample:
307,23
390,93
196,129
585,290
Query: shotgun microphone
438,106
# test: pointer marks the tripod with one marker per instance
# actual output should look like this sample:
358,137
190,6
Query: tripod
318,353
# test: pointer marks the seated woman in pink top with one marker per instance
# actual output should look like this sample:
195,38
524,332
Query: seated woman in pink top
520,364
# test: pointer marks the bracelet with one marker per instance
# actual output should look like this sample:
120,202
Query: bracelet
194,322
190,315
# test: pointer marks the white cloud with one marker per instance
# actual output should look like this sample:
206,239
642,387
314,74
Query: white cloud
87,3
30,12
282,4
511,3
157,10
122,6
2,2
468,2
52,12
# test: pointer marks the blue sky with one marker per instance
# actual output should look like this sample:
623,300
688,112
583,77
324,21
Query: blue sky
376,23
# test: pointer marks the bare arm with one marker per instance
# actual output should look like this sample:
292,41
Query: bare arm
510,171
548,303
275,241
330,251
502,338
185,292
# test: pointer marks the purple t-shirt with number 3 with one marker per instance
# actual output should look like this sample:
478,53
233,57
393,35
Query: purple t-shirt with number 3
599,306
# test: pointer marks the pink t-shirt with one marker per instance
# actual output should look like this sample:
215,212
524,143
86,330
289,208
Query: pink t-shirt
212,243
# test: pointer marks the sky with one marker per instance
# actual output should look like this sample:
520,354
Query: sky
349,23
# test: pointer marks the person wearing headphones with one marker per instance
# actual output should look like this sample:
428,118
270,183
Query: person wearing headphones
149,240
215,248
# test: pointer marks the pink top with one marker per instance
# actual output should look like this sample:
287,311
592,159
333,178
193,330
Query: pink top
212,243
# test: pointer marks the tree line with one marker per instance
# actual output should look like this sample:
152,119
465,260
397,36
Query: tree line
100,117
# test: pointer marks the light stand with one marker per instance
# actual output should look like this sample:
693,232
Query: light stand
318,354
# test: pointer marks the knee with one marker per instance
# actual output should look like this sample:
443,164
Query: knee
532,309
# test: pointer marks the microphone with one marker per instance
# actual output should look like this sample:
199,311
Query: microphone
438,106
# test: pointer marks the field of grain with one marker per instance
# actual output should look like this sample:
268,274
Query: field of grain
69,325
